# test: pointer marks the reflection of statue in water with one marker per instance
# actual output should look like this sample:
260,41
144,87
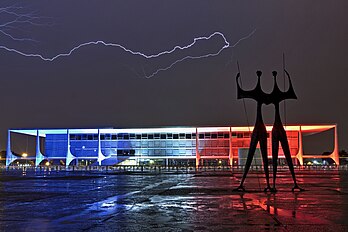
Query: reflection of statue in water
278,132
259,133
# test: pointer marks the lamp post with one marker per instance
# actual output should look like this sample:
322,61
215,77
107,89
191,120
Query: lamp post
25,155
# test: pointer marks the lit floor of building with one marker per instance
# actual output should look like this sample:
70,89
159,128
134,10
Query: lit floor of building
162,146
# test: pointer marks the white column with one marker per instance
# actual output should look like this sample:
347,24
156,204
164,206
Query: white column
335,154
299,155
69,157
198,157
101,157
9,155
230,155
39,156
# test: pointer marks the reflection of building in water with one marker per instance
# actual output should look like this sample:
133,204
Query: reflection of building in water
162,146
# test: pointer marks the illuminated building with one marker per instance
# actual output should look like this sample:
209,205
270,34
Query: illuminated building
165,146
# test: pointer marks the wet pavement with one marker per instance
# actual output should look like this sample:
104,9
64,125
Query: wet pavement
77,201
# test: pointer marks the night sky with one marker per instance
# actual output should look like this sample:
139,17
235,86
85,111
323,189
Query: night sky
100,86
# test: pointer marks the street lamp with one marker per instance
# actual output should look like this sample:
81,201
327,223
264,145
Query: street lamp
25,155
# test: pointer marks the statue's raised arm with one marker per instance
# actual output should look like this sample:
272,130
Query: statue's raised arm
253,94
290,93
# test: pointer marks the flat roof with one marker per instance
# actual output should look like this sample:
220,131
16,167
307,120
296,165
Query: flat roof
43,132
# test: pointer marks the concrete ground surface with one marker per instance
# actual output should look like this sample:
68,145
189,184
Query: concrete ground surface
69,201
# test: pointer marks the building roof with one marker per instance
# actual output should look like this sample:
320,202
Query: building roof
43,132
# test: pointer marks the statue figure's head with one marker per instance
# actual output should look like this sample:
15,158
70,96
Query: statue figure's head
258,73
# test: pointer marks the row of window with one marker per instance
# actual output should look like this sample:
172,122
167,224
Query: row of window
123,136
146,136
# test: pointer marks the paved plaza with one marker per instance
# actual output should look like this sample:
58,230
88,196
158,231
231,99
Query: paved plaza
203,201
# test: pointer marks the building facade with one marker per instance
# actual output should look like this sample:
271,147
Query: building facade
163,146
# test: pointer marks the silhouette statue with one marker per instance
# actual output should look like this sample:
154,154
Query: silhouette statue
259,133
278,132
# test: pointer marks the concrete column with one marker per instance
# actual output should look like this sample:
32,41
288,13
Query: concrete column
10,157
69,157
230,155
198,157
101,157
335,154
299,155
39,156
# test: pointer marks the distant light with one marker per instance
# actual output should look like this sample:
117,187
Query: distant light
151,161
220,161
24,155
47,163
83,147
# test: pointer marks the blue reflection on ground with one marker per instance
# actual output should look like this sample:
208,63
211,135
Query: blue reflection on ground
95,201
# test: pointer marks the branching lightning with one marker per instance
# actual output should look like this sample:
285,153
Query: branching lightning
227,45
18,18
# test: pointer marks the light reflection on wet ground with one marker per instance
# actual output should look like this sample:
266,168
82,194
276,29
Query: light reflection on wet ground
171,202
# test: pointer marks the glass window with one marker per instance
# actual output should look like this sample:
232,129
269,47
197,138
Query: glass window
107,136
226,135
114,137
163,136
175,136
201,136
188,136
144,136
169,136
138,136
156,136
150,136
214,136
246,134
182,135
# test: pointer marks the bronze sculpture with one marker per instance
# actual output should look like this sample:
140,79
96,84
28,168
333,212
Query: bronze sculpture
259,133
278,131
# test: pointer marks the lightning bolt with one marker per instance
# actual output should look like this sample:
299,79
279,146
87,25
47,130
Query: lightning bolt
16,19
177,47
31,19
227,45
